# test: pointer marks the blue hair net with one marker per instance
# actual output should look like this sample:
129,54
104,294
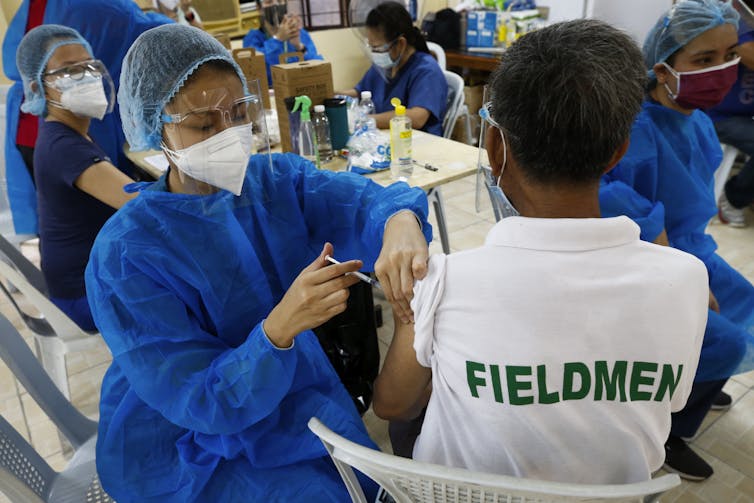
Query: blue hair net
32,56
155,68
685,21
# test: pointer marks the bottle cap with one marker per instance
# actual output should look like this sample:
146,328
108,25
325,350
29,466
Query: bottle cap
366,95
319,108
399,109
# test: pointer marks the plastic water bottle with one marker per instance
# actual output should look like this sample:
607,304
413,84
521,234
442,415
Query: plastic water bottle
401,162
307,138
366,108
322,130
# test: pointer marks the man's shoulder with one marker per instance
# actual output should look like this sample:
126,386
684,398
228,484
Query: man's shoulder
662,263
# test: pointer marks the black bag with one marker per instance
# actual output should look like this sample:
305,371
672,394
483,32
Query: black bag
350,343
443,28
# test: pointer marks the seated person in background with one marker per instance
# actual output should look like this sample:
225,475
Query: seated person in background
557,350
734,125
207,286
179,11
403,68
280,33
665,184
78,187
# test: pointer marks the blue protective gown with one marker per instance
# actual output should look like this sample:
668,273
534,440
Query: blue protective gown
273,48
197,404
110,28
665,181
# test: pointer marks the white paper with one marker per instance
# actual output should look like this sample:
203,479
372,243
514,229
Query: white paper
159,161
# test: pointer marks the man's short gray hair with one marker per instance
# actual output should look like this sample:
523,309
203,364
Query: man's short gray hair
566,97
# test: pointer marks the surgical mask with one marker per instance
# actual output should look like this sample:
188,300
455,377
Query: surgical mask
84,97
703,88
220,160
274,14
382,59
506,207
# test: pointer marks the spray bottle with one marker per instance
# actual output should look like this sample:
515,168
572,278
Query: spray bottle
307,139
401,163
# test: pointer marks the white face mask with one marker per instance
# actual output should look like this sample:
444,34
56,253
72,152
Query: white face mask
85,97
220,160
506,207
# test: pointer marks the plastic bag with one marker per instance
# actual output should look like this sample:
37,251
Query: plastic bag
368,149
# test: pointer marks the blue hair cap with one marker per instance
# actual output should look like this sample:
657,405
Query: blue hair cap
154,69
32,55
685,21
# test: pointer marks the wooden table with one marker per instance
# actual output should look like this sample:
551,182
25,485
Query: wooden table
483,61
452,159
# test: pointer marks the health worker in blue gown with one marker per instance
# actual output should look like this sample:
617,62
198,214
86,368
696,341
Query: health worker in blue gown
279,34
402,68
665,183
110,28
206,288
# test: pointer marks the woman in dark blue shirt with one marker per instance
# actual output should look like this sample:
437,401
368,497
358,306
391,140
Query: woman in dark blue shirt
78,187
403,68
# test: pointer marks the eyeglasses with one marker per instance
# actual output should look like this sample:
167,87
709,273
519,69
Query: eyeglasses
381,48
209,120
77,71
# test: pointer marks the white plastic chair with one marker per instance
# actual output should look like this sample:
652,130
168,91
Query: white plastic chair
456,100
67,337
723,171
411,481
25,477
438,52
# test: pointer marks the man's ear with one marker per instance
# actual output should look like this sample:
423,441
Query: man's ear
494,146
618,155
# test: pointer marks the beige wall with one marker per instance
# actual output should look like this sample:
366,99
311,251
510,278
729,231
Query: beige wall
8,9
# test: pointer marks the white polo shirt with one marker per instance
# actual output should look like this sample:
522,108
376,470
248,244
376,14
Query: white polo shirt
558,350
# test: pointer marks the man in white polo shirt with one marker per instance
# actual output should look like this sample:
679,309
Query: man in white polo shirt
559,349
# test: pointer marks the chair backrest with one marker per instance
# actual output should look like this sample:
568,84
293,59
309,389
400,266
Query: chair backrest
64,327
411,481
439,53
17,355
456,100
31,272
723,171
24,474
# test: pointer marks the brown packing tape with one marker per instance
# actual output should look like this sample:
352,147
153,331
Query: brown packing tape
283,58
312,78
253,67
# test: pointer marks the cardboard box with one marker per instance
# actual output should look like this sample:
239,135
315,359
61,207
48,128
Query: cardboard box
253,67
312,78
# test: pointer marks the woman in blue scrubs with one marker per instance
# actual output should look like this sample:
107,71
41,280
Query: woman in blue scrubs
207,285
665,183
403,68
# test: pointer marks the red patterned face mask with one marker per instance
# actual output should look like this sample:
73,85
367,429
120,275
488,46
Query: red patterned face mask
703,88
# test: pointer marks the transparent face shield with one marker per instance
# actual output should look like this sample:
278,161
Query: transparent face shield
209,136
383,54
85,88
501,205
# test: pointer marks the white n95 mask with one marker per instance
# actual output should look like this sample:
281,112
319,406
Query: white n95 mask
85,97
220,160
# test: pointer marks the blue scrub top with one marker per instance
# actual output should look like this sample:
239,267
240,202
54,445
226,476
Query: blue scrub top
739,102
110,28
420,83
272,48
198,405
665,181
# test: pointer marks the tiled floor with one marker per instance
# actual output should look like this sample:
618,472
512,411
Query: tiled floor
727,439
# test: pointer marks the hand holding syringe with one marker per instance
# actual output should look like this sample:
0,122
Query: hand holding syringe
363,277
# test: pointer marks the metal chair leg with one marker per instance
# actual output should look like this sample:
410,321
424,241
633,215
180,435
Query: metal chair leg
435,197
